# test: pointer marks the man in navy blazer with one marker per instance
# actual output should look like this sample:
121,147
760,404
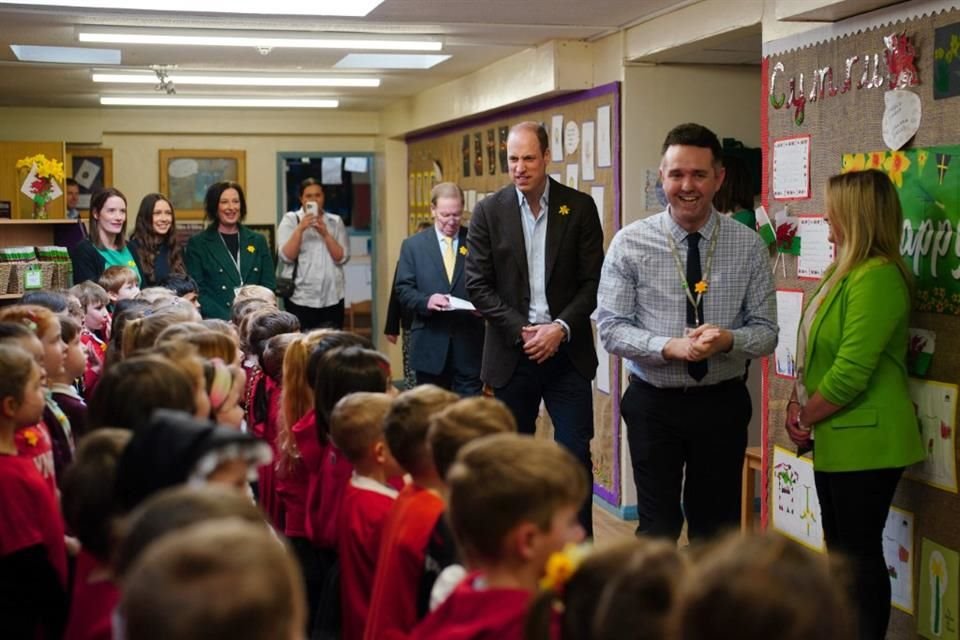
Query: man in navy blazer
535,250
445,344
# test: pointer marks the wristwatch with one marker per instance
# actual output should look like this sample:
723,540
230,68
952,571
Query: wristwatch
563,327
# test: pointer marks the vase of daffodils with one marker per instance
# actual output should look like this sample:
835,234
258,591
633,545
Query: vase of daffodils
40,175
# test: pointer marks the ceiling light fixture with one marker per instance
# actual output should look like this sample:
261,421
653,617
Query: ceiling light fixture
185,101
67,55
235,80
264,42
389,61
356,8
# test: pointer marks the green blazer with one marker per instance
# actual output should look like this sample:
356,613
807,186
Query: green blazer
856,358
212,266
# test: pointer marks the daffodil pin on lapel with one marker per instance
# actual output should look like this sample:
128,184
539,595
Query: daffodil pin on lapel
564,210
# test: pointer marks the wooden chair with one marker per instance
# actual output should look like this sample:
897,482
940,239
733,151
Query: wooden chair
359,318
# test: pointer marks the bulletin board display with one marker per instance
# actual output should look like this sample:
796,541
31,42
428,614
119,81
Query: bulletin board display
584,130
836,91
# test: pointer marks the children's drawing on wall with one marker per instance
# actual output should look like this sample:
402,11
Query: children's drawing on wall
789,309
898,553
937,616
936,405
795,508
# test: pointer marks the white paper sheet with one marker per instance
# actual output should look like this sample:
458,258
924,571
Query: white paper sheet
571,137
556,138
332,170
791,168
603,369
901,117
789,309
795,509
86,174
25,188
653,196
604,156
936,404
816,252
898,554
572,179
587,151
356,165
597,193
459,304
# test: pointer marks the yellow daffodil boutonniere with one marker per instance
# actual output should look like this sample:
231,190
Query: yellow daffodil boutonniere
564,210
700,287
463,251
251,248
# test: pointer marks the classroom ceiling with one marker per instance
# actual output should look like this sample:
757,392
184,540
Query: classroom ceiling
475,33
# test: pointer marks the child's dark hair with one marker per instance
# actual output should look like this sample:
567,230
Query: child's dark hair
655,569
747,587
405,426
17,366
180,285
130,390
14,331
263,325
124,311
736,191
69,329
90,506
53,300
345,370
272,360
89,292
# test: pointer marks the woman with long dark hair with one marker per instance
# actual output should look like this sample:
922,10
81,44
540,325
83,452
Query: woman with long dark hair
154,241
106,246
227,255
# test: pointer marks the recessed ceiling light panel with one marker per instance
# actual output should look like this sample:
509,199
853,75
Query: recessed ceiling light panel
274,7
66,55
250,103
212,39
235,80
389,61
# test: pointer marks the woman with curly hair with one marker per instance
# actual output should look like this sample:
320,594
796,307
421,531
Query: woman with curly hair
154,241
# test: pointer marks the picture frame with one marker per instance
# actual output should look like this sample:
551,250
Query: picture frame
92,168
269,232
186,174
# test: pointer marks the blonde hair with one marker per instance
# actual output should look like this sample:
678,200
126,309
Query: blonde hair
503,480
153,295
222,579
255,292
212,344
462,422
356,423
141,333
865,209
297,392
113,278
446,190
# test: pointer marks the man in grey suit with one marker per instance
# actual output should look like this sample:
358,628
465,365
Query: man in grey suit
446,344
533,267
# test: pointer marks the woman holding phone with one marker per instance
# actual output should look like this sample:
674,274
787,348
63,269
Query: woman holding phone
313,249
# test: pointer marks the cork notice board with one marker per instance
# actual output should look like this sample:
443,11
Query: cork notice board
845,127
585,134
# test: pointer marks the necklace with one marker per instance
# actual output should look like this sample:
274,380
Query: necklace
701,287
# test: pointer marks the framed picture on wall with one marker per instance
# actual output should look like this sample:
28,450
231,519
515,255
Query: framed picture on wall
92,168
269,232
186,174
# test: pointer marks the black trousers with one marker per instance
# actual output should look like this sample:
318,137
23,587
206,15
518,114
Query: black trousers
316,317
569,400
854,506
688,442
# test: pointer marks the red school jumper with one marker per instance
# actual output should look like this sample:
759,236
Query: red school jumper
366,504
93,602
473,612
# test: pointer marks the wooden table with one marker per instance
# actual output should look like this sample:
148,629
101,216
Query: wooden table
753,462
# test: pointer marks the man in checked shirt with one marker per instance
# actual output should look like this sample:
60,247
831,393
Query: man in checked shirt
687,297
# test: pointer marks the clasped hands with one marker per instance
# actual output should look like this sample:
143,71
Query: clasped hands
699,344
541,341
799,433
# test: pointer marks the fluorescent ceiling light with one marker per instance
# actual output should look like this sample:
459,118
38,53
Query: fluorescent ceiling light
236,80
389,61
262,42
71,55
186,101
274,7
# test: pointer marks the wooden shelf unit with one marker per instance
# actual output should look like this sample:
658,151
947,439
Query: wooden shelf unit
35,233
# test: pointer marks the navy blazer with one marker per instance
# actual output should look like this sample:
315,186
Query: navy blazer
499,285
420,274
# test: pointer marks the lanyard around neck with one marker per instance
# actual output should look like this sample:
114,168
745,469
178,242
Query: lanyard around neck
234,260
695,301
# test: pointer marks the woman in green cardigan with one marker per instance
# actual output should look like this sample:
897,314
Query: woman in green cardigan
851,397
226,255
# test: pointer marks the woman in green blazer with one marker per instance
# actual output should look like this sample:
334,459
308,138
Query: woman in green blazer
226,255
852,398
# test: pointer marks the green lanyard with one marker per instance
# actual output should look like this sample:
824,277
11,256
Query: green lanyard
683,273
